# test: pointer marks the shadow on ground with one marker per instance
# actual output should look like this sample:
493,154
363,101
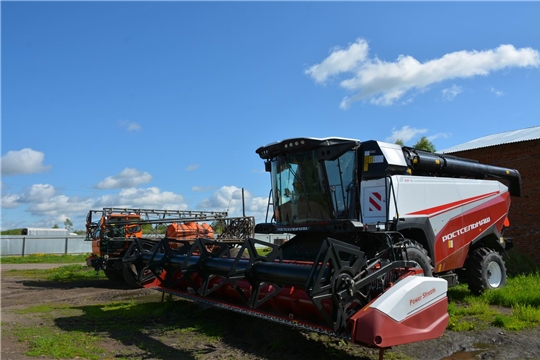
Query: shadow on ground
183,330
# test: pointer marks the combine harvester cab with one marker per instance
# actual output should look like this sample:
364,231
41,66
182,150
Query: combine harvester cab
371,257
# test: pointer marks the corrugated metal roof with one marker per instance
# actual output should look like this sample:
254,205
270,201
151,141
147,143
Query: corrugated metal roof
526,134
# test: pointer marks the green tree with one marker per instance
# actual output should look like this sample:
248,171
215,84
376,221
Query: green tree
68,225
425,144
218,226
147,228
11,232
55,226
400,142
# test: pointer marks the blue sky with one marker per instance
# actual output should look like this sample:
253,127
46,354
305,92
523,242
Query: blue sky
162,105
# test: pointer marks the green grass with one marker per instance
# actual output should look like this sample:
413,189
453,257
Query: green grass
79,331
63,273
520,296
44,341
43,309
44,259
520,263
514,307
522,289
48,340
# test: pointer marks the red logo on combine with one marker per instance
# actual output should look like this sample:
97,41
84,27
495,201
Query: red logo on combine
375,199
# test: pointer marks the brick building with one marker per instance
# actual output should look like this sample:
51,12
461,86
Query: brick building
518,150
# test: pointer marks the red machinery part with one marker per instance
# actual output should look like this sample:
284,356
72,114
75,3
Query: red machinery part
320,296
415,309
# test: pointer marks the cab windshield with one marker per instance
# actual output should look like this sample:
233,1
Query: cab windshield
307,190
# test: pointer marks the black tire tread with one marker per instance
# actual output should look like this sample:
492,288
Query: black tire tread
475,270
131,278
416,252
113,275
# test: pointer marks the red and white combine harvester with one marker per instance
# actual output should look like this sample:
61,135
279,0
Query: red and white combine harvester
369,219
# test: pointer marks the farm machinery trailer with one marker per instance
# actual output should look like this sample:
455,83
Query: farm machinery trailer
369,219
112,230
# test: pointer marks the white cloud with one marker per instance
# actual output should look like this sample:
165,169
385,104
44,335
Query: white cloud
38,193
229,198
149,198
201,188
192,167
340,61
450,93
41,201
130,125
384,83
25,161
497,93
406,133
257,205
127,178
439,136
222,198
58,219
51,209
10,201
59,205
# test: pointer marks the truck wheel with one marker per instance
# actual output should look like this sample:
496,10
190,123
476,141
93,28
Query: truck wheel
416,252
113,275
485,270
131,276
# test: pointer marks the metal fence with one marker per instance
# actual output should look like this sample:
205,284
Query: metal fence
21,245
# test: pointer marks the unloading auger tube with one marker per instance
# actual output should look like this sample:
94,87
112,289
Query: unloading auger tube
378,302
448,165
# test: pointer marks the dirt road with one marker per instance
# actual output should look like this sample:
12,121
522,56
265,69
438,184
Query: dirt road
238,336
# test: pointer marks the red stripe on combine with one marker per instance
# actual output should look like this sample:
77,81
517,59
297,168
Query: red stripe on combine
372,202
450,206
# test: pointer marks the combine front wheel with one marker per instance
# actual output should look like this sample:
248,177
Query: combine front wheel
416,252
485,270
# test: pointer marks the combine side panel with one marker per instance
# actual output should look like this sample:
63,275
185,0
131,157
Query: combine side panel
373,197
458,212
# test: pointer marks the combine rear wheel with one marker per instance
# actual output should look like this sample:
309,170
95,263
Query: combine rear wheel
415,252
485,270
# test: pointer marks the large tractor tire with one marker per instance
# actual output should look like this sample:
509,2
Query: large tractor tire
485,270
114,275
416,252
131,276
135,273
